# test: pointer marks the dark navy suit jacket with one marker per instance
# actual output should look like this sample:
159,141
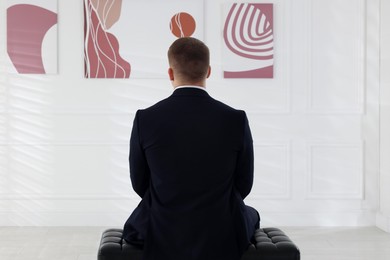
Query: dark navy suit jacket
191,162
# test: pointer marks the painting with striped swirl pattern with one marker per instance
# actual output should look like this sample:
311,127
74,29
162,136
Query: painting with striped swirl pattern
248,49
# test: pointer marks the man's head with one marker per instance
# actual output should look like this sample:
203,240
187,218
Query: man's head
189,61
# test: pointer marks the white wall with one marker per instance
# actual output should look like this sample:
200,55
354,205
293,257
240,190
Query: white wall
383,217
64,139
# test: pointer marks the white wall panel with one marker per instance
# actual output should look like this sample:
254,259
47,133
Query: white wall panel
335,171
33,128
336,62
272,171
67,171
383,217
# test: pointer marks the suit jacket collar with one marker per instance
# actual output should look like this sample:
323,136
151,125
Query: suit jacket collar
190,92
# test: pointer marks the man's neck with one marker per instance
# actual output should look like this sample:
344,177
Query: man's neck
190,86
178,83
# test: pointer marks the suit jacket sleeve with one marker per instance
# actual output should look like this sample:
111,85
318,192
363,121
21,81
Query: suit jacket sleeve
139,169
245,161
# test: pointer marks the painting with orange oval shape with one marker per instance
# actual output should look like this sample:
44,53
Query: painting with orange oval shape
182,25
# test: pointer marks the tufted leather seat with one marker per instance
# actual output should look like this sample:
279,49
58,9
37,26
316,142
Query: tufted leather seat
268,244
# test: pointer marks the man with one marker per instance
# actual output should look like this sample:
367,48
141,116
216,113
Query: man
191,162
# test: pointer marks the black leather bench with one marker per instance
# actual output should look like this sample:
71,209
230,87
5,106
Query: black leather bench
270,244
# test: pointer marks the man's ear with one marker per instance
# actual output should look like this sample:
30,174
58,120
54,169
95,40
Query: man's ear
170,74
208,72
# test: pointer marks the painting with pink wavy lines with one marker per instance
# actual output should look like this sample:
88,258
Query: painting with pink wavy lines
101,48
248,49
27,26
130,38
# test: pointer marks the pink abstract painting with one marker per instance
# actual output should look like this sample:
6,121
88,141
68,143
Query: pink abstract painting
130,38
248,50
27,27
101,48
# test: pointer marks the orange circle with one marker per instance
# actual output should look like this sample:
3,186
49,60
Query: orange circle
182,25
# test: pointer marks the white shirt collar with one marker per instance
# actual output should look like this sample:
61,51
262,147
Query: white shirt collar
191,86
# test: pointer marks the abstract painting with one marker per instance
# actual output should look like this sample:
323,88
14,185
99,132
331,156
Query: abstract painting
248,41
130,39
101,49
32,36
182,25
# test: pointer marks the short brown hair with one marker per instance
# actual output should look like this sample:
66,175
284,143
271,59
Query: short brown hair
190,58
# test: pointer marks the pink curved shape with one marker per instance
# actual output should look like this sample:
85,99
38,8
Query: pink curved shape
101,49
26,28
266,72
239,31
267,30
